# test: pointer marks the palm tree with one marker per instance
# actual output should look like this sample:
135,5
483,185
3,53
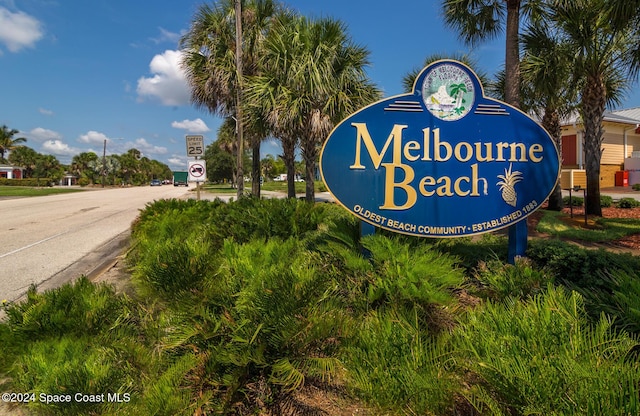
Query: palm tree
313,77
80,164
551,92
479,20
25,157
605,62
7,142
210,63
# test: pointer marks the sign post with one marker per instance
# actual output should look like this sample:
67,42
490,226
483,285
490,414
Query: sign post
197,169
442,161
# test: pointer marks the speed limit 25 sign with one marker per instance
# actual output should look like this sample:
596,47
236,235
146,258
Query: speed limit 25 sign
195,145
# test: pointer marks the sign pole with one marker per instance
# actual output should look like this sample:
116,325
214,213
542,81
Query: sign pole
197,187
518,234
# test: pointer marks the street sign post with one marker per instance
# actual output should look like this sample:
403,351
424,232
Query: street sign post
195,145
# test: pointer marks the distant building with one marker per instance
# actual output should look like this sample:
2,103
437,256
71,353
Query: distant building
11,172
621,142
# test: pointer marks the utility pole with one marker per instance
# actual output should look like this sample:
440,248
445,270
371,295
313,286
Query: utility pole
104,161
239,86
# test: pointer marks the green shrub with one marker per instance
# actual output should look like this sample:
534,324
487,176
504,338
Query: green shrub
619,300
172,266
26,182
636,186
392,362
575,201
572,264
402,274
497,280
69,365
79,308
606,201
541,357
628,203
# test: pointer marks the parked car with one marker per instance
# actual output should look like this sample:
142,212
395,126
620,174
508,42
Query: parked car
156,182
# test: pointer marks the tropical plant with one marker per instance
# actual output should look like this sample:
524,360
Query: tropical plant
81,165
477,21
522,354
605,62
307,68
209,60
25,157
551,91
7,142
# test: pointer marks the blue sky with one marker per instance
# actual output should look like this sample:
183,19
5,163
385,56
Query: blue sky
74,73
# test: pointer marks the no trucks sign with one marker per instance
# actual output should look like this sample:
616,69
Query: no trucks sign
442,161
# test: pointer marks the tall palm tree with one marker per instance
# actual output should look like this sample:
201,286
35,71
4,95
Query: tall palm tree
603,51
314,76
551,92
7,142
210,62
479,20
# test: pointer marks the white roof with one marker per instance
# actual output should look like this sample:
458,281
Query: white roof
629,116
633,113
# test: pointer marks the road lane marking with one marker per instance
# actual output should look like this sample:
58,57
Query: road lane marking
31,245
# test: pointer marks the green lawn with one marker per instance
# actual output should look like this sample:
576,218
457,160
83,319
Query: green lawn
604,229
24,191
277,186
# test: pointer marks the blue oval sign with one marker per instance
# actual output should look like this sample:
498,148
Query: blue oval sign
444,161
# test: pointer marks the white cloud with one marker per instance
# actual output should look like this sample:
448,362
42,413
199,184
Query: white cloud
168,84
146,148
40,135
192,126
45,112
19,30
59,148
93,137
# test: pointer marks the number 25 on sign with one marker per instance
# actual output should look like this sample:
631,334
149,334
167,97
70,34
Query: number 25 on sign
195,145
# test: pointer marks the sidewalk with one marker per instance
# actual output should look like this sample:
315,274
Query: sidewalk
615,192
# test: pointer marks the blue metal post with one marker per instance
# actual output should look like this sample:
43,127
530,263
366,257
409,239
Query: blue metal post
518,234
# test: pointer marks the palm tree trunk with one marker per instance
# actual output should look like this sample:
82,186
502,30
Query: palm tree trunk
593,104
289,158
512,54
551,122
255,167
310,180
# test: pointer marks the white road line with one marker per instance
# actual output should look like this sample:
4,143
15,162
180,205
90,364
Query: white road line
31,245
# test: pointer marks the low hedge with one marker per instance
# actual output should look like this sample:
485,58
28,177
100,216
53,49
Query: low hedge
26,182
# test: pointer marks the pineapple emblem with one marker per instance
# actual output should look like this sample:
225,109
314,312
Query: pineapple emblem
509,179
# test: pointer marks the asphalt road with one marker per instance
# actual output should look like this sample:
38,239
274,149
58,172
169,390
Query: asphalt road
52,239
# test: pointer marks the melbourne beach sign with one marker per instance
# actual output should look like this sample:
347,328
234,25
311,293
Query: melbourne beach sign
443,161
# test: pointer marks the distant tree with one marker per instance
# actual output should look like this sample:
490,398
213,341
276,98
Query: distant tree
26,158
48,166
80,165
220,163
7,142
